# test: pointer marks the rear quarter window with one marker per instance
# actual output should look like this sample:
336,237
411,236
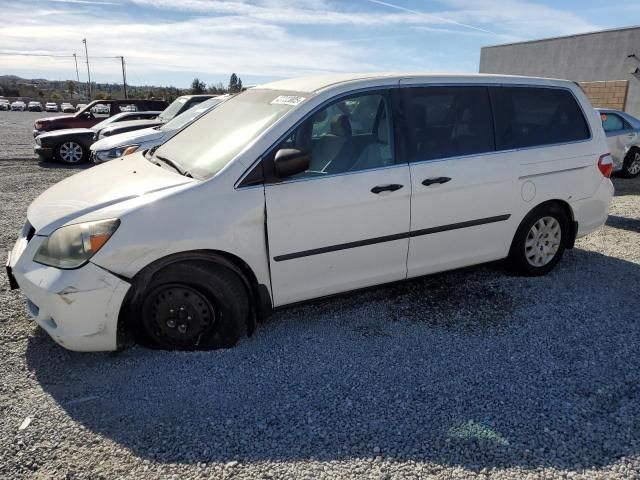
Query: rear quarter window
535,116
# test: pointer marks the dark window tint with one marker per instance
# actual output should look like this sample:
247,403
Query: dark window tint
442,122
529,116
612,122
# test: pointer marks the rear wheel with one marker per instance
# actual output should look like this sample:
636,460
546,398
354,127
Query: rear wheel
540,241
631,166
190,306
71,153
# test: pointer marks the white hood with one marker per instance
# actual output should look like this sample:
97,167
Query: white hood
134,137
132,179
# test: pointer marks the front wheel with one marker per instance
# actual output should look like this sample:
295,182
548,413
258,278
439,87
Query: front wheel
190,306
71,153
540,241
631,166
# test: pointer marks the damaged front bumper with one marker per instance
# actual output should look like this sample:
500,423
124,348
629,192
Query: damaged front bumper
78,308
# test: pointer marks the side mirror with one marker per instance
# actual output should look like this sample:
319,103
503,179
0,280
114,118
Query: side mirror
289,161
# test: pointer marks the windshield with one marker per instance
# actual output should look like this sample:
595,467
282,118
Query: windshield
106,122
207,145
170,112
185,117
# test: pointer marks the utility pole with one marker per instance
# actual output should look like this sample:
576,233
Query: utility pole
86,53
124,77
75,59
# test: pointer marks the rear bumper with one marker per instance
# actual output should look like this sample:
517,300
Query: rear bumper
45,154
591,213
78,308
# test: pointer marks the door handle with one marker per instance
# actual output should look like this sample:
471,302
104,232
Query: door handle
432,181
386,188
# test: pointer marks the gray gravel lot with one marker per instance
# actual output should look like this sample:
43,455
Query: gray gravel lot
16,133
468,374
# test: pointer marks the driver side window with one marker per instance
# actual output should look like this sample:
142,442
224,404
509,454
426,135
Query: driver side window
349,135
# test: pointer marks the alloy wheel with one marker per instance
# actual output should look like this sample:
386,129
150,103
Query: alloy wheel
634,165
543,241
70,152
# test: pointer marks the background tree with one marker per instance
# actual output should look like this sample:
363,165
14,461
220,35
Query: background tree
233,83
197,87
239,84
56,96
71,88
40,94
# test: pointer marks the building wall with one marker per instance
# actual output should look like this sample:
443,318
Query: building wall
611,94
594,57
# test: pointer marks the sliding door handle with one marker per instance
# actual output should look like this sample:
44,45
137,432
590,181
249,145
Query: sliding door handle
386,188
433,181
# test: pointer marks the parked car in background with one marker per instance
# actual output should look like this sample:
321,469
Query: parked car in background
623,136
4,104
103,109
85,118
262,203
67,108
51,107
179,105
122,144
34,107
18,106
80,106
71,145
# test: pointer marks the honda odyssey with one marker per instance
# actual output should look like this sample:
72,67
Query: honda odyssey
310,187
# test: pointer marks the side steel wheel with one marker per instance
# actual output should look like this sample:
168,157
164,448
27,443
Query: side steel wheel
631,167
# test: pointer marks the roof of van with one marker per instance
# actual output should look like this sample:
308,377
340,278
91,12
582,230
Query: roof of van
316,83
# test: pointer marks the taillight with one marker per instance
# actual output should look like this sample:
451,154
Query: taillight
605,164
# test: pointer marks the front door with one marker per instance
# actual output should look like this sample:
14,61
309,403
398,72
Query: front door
343,224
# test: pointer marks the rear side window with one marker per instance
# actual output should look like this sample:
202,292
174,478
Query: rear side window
532,116
441,122
612,122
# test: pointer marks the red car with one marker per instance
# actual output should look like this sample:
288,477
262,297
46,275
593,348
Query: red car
89,115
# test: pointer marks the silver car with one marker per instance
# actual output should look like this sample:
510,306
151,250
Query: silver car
623,136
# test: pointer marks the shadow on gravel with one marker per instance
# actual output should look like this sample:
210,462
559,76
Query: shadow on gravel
624,223
626,186
64,166
471,368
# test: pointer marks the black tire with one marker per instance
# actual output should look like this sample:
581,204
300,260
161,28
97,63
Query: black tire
631,166
527,245
214,302
71,153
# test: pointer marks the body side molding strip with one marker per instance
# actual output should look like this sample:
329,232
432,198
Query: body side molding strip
391,238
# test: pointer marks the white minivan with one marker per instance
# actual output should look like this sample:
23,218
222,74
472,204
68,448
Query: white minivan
309,187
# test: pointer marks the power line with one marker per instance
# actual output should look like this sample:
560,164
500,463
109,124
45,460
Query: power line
52,55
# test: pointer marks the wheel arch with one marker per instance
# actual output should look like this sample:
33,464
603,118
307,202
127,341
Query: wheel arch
564,205
259,295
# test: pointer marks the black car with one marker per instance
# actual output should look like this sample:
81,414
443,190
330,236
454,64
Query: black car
72,145
179,105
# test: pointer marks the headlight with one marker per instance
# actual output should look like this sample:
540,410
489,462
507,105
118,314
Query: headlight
72,246
38,140
37,125
106,155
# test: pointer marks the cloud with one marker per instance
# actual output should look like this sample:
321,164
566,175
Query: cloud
163,39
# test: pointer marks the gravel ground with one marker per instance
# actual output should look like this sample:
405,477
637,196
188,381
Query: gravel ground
16,133
469,374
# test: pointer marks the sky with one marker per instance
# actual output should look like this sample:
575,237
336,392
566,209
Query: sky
169,42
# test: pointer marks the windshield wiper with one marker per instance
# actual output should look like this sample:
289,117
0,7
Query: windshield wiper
173,165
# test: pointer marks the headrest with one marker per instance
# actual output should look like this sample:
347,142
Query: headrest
340,125
466,115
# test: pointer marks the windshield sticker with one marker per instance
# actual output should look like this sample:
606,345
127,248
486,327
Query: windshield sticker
288,100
